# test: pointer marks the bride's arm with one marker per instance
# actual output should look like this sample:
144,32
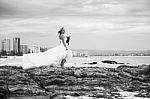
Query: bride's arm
63,41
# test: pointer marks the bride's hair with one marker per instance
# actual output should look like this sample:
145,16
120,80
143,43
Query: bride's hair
60,31
68,39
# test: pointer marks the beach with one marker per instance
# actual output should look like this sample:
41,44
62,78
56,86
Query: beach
87,81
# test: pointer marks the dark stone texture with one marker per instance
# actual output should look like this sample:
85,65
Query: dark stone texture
57,82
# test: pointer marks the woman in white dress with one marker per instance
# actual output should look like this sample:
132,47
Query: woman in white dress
56,56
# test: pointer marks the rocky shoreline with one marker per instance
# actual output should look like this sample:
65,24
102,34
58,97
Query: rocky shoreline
59,83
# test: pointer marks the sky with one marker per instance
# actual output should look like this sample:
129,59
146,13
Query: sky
92,24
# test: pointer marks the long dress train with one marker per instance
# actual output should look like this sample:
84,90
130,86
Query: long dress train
52,56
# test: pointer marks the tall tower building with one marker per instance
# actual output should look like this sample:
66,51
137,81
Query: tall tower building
16,45
6,45
24,49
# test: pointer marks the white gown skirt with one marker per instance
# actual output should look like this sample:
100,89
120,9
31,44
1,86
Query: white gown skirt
50,57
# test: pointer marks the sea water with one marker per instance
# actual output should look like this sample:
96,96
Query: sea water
81,61
126,60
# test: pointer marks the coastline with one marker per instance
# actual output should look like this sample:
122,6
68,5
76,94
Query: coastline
80,61
75,82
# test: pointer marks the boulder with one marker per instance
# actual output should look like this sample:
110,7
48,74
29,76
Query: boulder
91,63
109,62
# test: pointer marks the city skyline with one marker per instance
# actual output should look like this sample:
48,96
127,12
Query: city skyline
13,46
93,24
12,39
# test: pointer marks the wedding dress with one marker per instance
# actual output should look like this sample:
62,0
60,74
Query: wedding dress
50,57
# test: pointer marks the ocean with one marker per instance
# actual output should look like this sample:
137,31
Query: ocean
127,60
82,61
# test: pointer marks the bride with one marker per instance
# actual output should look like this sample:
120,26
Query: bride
56,56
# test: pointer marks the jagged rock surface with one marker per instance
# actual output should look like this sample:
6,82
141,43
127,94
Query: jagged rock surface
59,82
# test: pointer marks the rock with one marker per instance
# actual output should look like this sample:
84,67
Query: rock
144,69
82,81
3,92
55,81
75,94
96,75
10,67
121,67
57,96
80,73
70,80
100,95
68,72
143,93
92,63
2,82
135,70
109,62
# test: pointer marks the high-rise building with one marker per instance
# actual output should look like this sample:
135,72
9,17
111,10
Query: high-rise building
6,45
16,45
24,49
34,49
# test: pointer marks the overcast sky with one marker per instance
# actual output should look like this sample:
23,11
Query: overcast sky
93,24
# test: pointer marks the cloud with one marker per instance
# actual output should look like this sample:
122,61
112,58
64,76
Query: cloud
32,19
29,8
137,7
39,8
75,24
